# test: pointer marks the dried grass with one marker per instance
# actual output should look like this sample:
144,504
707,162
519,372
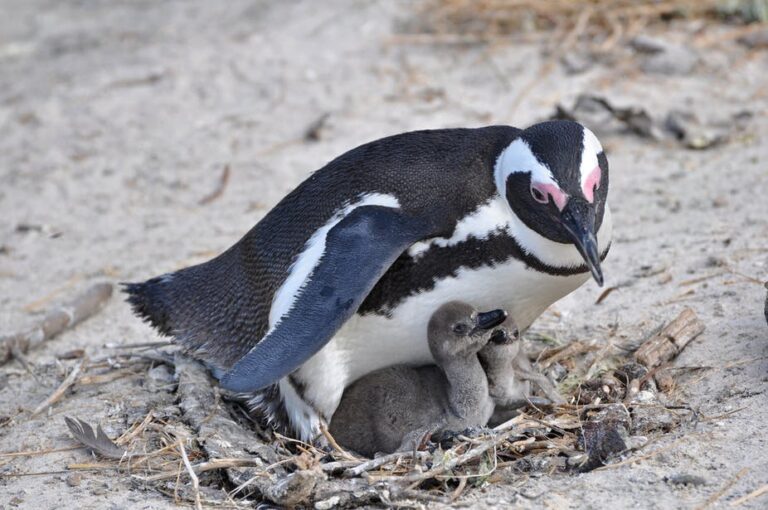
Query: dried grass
208,456
602,22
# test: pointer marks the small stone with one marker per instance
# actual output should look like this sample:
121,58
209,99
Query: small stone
604,435
674,60
159,378
293,490
636,442
575,63
713,261
689,129
74,479
329,503
647,44
755,40
685,479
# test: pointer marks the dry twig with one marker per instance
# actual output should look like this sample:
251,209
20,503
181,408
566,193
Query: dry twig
220,187
719,494
752,495
55,321
68,382
192,475
672,339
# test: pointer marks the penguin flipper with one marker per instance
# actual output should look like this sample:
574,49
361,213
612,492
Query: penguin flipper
358,251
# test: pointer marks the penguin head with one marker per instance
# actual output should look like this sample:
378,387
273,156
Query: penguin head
457,329
555,178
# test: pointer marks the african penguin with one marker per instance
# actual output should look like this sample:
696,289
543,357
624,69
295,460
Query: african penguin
340,278
391,409
510,374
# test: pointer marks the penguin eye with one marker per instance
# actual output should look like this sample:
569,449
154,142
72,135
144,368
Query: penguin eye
539,196
460,328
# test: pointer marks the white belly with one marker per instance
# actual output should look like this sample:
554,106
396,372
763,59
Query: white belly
373,341
367,343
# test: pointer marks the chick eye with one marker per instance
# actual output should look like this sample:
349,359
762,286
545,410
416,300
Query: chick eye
460,328
539,196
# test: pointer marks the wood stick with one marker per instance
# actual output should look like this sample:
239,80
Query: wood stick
752,495
454,462
569,351
128,435
31,453
380,461
719,494
55,321
672,339
336,446
206,466
70,380
192,475
220,187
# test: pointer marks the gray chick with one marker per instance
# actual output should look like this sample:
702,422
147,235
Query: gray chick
510,374
392,409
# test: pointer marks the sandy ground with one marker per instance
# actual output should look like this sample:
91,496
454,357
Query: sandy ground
117,117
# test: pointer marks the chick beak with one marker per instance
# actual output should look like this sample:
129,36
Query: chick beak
489,320
578,218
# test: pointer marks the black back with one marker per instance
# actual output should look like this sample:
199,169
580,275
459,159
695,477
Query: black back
220,309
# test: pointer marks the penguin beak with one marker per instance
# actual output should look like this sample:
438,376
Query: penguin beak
502,337
578,218
489,320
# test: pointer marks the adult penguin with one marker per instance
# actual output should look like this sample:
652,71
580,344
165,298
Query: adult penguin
341,277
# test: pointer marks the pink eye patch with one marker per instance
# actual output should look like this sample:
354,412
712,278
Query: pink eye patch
591,184
550,190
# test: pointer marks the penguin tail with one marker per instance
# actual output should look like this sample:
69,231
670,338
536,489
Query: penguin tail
148,301
209,309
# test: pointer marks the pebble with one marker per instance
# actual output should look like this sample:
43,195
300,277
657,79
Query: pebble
74,479
755,40
575,63
663,57
685,479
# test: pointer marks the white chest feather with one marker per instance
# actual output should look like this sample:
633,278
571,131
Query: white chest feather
370,342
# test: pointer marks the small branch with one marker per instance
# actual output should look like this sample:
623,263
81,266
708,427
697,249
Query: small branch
752,495
332,441
56,321
202,467
717,495
672,339
216,193
380,461
70,380
456,461
192,475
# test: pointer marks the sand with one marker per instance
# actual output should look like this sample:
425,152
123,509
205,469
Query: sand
117,118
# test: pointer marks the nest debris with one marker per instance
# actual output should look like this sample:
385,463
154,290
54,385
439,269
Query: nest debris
209,454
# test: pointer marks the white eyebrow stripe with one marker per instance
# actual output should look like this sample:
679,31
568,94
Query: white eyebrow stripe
590,148
519,158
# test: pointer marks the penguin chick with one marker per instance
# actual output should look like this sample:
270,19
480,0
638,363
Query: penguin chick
510,375
497,359
393,408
